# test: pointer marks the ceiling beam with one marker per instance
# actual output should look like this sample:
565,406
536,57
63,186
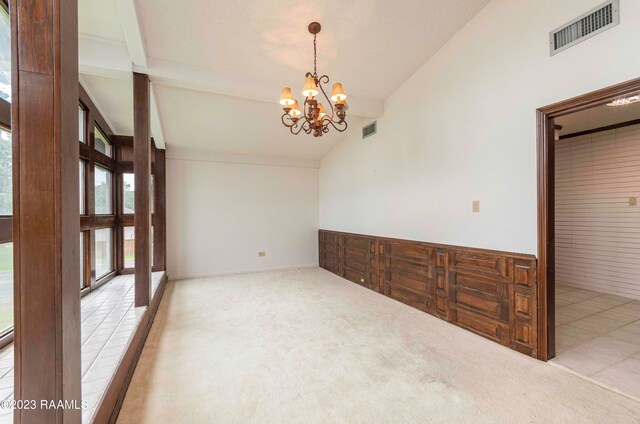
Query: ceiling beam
103,58
156,127
131,29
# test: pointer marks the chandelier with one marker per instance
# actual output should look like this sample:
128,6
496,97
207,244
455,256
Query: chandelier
313,118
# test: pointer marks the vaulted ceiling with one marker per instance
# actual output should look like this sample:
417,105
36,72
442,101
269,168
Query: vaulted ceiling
217,67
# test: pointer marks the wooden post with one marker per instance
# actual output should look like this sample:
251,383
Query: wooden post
142,179
160,213
46,217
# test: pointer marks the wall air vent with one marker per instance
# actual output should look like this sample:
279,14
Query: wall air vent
369,130
595,21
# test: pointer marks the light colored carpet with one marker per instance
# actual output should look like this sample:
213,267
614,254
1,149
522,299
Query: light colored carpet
305,346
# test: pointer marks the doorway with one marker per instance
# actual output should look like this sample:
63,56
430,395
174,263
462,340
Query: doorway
588,215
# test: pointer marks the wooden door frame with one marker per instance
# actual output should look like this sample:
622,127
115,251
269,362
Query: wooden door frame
546,202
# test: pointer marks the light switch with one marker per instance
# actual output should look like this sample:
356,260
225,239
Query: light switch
262,253
475,206
633,201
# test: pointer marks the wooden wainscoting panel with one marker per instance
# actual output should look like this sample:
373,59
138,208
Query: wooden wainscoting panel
490,293
408,275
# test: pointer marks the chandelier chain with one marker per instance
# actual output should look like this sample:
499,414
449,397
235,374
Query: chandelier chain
315,72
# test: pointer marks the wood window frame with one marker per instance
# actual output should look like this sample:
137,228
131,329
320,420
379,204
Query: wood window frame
90,221
545,117
124,156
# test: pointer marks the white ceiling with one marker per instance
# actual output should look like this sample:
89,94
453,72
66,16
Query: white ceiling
217,67
598,117
99,18
244,127
114,98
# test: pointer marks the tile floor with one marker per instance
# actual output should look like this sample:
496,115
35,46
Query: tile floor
108,322
598,335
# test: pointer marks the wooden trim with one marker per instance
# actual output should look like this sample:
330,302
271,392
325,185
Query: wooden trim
142,176
46,226
159,215
6,229
109,407
6,338
5,115
546,203
600,129
438,245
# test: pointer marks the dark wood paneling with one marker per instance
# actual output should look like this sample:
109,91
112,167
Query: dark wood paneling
6,229
46,221
488,292
142,178
160,212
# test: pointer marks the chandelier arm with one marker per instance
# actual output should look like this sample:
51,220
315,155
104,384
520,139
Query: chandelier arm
289,125
338,125
296,129
325,80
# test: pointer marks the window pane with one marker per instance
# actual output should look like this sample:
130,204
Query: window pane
129,248
6,286
81,120
103,190
81,260
101,143
82,188
128,193
6,195
103,249
5,56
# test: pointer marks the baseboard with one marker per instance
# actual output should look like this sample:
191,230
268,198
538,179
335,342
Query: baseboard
241,271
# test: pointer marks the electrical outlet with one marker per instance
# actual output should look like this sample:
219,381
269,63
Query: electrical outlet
633,201
262,253
475,206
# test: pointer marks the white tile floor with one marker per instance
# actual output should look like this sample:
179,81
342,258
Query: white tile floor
598,335
108,322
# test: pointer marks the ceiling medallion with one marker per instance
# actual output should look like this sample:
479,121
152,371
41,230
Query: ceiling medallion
313,118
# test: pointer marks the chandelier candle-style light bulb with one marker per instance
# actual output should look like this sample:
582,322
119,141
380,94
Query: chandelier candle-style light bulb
295,111
286,98
310,89
312,117
337,95
321,112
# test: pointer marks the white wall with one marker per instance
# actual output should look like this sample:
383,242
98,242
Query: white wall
219,215
597,234
463,128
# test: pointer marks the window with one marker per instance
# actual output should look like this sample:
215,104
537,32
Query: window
6,194
103,191
104,252
129,247
6,287
128,194
101,142
82,188
81,124
81,260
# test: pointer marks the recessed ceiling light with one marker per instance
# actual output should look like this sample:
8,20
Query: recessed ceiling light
623,101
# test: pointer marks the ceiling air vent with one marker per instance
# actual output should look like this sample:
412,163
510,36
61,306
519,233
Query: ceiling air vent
595,21
369,130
